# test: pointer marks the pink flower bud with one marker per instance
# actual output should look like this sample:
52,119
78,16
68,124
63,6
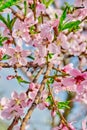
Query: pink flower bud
53,113
9,77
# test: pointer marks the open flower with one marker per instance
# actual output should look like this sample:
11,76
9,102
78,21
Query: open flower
21,31
17,55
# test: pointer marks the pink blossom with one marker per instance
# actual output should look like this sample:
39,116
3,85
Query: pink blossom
77,79
29,20
68,68
3,105
81,3
21,31
47,32
12,111
17,55
63,127
33,89
84,122
15,106
40,8
9,77
53,48
18,99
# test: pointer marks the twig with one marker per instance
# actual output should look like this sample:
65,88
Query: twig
56,107
34,104
36,78
21,17
15,121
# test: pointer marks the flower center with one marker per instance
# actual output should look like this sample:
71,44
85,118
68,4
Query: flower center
18,102
18,33
1,107
79,79
17,55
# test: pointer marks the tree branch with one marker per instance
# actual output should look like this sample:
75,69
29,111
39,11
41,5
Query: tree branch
29,113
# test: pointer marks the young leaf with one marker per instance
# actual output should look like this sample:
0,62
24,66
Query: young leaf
62,18
5,57
71,25
50,81
3,20
50,55
7,4
31,57
8,18
49,99
25,8
20,80
47,3
12,22
2,39
63,105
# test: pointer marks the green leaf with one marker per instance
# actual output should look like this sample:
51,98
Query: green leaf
2,39
50,81
50,55
20,80
56,16
25,8
7,4
71,25
47,3
5,57
12,22
3,20
63,105
62,18
40,19
32,6
8,18
49,99
31,57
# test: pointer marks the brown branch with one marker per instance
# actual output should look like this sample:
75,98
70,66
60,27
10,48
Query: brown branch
29,113
34,9
56,108
36,78
29,64
15,121
21,17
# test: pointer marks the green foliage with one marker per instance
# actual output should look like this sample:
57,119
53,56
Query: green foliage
49,99
21,80
56,16
31,57
69,7
32,30
62,18
47,3
7,3
2,39
32,6
25,8
9,23
5,57
50,81
72,25
50,55
63,105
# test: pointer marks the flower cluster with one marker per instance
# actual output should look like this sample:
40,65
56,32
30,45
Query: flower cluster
42,40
